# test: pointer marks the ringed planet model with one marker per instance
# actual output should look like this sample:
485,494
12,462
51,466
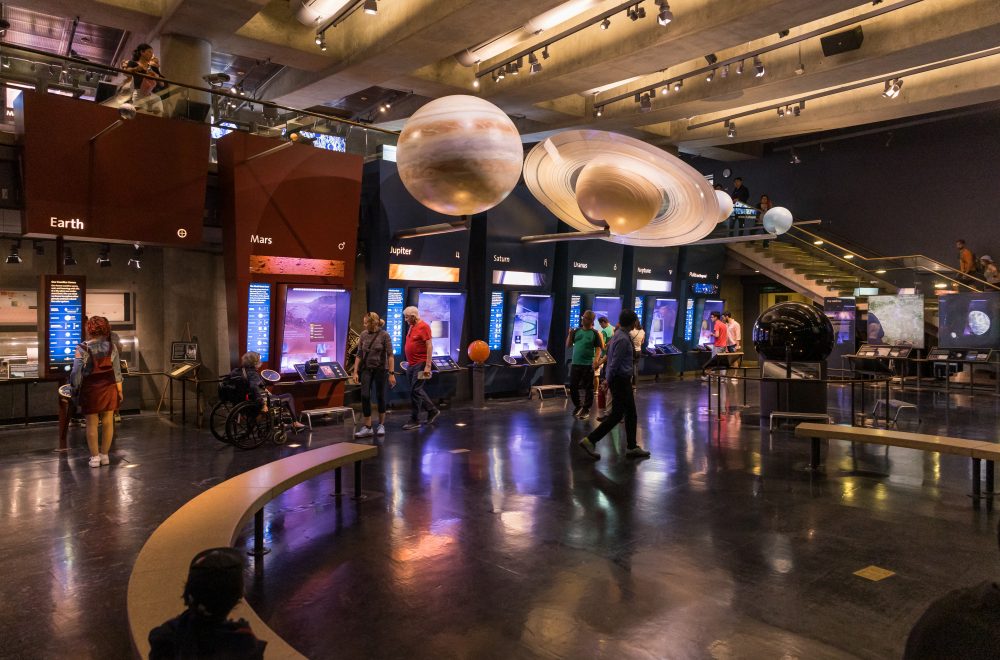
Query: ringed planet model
459,155
645,196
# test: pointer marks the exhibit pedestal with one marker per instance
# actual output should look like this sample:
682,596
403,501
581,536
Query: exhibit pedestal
797,387
478,386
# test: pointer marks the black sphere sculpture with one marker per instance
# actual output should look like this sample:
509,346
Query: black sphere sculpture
793,330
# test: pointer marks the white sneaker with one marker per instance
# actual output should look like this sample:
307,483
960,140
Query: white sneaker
105,459
95,461
380,430
365,432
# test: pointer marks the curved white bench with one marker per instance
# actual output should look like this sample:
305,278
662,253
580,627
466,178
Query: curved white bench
214,519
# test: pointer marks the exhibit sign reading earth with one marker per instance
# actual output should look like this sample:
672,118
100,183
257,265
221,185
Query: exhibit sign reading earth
896,320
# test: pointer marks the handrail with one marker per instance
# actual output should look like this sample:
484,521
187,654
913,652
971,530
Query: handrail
114,72
928,264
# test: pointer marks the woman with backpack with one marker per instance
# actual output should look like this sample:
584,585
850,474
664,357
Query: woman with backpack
587,344
97,383
373,368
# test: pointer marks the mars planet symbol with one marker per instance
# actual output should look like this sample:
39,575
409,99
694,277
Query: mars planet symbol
979,322
459,155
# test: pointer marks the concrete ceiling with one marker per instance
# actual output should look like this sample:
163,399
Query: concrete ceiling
410,45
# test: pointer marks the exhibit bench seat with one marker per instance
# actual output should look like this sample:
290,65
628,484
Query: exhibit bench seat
975,450
214,519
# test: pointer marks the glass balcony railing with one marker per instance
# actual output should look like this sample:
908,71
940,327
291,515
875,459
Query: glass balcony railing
225,108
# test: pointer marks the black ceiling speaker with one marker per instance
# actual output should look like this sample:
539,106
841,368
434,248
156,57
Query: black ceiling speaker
842,42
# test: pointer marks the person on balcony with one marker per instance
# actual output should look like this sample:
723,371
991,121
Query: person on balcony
990,271
144,96
966,260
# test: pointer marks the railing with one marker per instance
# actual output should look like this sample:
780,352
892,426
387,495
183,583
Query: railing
908,271
225,109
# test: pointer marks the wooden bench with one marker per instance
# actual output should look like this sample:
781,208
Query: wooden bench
214,519
976,450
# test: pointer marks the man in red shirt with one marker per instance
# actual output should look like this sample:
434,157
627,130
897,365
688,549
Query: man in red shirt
418,351
720,337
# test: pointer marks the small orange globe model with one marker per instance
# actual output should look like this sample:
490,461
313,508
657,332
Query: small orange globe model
479,351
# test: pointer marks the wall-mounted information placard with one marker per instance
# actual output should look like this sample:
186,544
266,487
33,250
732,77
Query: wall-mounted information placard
63,320
259,320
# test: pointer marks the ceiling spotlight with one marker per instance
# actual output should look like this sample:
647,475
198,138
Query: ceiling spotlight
5,62
797,110
39,247
68,259
711,58
665,16
633,13
605,24
383,108
104,258
513,68
598,111
136,260
371,7
475,83
500,74
645,103
711,76
800,69
641,11
4,26
892,88
731,133
725,71
534,66
678,84
14,257
781,113
739,68
795,160
545,53
319,38
818,242
758,66
783,34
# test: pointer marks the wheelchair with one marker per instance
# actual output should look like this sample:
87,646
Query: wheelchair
243,423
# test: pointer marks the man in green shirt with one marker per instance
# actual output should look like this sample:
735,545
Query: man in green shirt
587,344
607,329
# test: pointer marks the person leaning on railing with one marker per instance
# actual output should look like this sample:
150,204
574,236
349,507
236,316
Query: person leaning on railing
144,89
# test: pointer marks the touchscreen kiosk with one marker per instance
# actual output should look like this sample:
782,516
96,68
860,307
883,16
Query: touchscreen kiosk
532,318
609,307
705,332
314,326
660,326
64,299
444,312
259,320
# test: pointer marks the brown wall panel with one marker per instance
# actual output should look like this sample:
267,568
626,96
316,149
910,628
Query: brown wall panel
143,181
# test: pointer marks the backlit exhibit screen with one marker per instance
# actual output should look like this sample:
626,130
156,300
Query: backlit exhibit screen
841,313
574,311
65,322
394,319
315,326
662,321
894,320
259,320
705,336
444,312
532,318
608,307
969,320
495,333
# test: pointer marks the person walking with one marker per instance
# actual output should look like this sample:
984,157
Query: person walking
96,378
638,336
587,344
720,341
734,337
966,260
990,271
375,363
619,375
418,350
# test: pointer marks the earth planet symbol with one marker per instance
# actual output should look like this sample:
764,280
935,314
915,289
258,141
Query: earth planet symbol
459,155
979,322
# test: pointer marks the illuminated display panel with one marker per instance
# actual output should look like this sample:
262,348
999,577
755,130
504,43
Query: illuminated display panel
574,311
394,319
419,273
688,319
532,318
970,320
705,337
637,307
315,325
259,320
662,321
65,322
896,320
444,312
608,307
495,334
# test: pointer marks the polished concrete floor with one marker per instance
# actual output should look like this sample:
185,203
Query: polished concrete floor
490,536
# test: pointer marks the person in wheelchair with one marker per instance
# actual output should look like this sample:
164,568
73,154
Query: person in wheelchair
256,388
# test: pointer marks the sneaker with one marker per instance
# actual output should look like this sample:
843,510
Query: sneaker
380,430
585,413
410,425
637,452
433,416
576,411
588,446
95,461
365,432
601,418
105,459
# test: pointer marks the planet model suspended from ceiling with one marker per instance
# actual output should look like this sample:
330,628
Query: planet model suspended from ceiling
459,155
594,179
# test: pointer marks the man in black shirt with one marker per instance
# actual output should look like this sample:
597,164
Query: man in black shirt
964,623
740,194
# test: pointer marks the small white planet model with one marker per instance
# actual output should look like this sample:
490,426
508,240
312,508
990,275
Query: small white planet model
459,155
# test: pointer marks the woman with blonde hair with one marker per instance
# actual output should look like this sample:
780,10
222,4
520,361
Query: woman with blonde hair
373,368
97,381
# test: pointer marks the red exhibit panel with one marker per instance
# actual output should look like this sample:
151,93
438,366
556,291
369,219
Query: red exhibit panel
89,174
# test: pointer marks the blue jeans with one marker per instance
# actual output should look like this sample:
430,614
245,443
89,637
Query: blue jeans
418,396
